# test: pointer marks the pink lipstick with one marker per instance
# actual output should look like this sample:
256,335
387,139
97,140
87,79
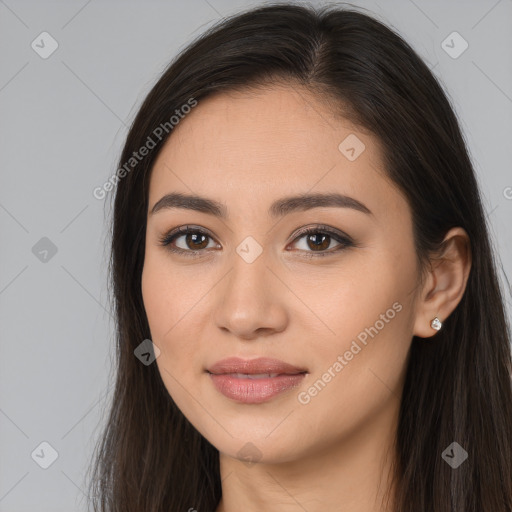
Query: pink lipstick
254,381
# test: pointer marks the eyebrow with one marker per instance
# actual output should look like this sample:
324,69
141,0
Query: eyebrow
279,208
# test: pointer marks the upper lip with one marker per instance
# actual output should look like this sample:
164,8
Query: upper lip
260,365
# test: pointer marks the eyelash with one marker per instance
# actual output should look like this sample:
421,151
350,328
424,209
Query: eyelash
344,240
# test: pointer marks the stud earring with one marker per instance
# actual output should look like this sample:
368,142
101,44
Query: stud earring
436,323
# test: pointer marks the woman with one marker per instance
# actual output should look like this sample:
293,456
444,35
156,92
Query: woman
308,312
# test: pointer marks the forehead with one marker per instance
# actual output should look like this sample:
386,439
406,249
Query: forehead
268,143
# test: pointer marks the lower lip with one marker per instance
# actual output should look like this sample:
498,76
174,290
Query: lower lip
255,391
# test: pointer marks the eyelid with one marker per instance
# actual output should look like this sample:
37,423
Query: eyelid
321,228
184,230
344,241
165,239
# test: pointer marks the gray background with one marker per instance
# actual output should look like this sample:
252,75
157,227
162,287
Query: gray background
63,122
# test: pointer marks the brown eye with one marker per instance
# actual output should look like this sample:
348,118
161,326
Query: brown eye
194,240
318,240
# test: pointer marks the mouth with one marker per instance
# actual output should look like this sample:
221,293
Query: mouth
254,375
262,366
254,381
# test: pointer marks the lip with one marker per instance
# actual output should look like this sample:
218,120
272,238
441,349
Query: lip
254,366
228,377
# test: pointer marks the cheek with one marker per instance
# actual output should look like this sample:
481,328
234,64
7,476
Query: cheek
368,310
164,295
163,319
155,297
360,368
171,318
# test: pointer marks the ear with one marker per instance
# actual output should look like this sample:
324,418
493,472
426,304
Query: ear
445,283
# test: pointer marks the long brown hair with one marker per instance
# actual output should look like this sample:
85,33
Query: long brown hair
458,384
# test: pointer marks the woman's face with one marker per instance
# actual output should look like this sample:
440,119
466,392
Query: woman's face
337,304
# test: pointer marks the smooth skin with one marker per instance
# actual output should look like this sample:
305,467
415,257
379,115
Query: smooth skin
247,150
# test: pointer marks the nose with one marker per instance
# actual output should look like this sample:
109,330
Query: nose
250,302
